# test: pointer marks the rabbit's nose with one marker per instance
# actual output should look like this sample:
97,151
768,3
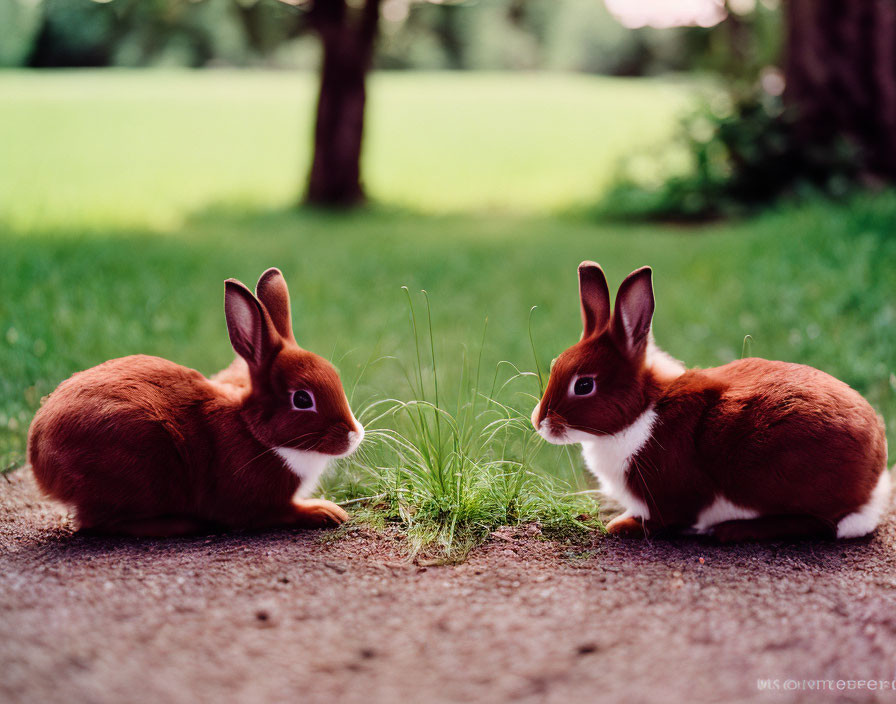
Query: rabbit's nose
535,413
355,437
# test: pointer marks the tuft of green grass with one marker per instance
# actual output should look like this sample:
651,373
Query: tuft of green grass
450,467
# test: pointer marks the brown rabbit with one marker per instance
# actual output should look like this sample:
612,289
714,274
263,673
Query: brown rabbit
750,450
144,446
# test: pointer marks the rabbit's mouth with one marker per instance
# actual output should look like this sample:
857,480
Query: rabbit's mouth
355,437
552,436
557,431
340,440
552,427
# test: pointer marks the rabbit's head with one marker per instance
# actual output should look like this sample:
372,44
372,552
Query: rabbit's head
601,384
296,400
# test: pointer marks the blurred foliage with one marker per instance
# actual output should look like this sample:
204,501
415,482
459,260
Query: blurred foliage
739,150
19,25
577,35
139,33
741,47
736,152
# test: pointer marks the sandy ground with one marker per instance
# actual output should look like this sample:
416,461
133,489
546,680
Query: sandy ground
299,617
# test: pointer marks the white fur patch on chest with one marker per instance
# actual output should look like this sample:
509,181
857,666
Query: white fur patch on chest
719,511
306,465
609,457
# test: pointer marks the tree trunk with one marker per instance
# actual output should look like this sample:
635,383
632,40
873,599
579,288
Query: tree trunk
335,177
841,77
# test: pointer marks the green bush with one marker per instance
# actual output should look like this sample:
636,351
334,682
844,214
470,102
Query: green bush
738,151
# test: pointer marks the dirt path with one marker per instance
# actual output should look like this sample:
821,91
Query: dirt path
292,617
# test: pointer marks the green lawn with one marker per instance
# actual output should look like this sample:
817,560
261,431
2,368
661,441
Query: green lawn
128,198
92,149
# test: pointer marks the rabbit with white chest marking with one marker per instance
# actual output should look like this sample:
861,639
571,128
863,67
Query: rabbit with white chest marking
144,446
753,449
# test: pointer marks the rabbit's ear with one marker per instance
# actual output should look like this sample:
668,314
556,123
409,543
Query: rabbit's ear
274,295
634,310
251,332
595,297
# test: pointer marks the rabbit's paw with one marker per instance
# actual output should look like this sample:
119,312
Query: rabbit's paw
319,513
626,527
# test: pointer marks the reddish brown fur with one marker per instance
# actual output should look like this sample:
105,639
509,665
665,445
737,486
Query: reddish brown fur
786,440
146,446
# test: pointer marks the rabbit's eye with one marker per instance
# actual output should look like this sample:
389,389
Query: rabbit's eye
303,400
583,386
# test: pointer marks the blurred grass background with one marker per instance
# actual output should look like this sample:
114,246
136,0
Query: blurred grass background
127,198
118,147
